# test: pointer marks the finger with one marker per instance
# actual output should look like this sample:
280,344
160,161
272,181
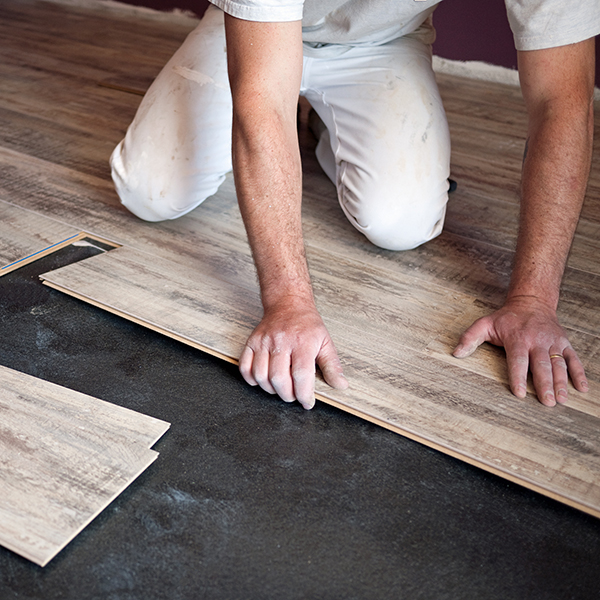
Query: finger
559,376
331,367
303,376
518,366
245,365
472,338
576,370
260,370
280,375
543,378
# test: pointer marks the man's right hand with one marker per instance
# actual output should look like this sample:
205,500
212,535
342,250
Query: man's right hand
281,354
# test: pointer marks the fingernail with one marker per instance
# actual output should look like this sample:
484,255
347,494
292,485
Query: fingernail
549,399
521,391
584,386
561,396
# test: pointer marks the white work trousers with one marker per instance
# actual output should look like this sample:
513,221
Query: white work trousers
386,146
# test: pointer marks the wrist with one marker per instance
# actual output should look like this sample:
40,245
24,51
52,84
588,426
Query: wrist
531,302
297,298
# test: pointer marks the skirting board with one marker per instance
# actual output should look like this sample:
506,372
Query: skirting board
422,395
65,457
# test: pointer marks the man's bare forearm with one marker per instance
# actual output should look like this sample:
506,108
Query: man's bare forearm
269,183
265,81
555,173
557,85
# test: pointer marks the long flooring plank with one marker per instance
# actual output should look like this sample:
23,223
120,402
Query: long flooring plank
65,457
392,383
213,234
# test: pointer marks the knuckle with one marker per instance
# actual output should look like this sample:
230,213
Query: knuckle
279,380
262,380
302,375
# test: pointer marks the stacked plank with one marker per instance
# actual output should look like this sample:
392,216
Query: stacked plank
64,457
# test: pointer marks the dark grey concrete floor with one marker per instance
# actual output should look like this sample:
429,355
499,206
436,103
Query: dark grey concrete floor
255,499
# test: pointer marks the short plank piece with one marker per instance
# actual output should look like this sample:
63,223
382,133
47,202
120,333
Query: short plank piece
64,457
410,389
26,236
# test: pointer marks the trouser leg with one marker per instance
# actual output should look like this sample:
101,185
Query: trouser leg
177,150
387,145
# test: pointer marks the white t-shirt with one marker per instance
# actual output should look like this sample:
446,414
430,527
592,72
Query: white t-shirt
536,24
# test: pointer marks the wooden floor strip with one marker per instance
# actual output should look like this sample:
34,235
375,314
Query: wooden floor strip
65,457
395,380
24,233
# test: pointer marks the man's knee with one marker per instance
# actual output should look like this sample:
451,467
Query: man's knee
405,233
401,221
158,193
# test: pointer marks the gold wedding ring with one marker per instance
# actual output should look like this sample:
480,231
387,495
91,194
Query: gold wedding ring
556,356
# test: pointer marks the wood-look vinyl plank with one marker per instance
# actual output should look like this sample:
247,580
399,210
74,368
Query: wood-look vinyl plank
65,457
89,38
403,307
455,395
435,401
54,142
490,360
471,216
86,112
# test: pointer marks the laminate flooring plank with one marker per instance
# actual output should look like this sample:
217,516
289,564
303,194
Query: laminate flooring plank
392,384
471,217
64,457
133,85
490,361
405,308
54,142
76,105
88,38
554,453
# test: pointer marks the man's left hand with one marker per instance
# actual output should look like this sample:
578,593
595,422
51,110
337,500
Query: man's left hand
534,341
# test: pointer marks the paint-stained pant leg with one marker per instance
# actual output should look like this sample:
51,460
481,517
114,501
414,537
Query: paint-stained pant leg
177,150
387,145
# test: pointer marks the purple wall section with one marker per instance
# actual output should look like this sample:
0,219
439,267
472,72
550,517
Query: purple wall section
474,30
466,29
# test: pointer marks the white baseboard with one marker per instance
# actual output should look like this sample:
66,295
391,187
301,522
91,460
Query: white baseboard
474,69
